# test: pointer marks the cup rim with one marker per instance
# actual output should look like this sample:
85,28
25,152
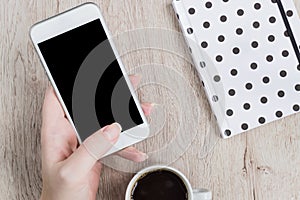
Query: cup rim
133,180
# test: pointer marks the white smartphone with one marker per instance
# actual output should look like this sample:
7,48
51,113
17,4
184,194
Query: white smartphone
86,72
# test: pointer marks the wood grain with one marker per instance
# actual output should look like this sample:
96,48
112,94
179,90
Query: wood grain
262,164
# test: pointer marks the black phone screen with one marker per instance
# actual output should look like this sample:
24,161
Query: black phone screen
89,79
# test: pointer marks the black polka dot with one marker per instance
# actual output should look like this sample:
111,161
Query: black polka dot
246,106
229,112
296,107
240,12
225,1
177,16
285,53
280,93
231,92
266,79
208,4
221,38
254,44
272,19
204,44
236,50
253,66
264,100
233,72
206,24
215,98
223,18
219,58
298,67
192,11
202,64
217,78
190,30
297,87
190,49
274,1
239,31
271,38
270,58
261,120
286,34
256,24
278,114
257,6
249,86
244,126
227,132
283,73
289,13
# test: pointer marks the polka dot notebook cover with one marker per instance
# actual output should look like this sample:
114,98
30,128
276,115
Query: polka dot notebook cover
247,55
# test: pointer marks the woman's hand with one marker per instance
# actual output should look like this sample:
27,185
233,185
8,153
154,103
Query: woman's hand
69,172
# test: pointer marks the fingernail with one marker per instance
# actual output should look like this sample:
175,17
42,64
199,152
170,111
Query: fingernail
154,104
143,157
137,76
103,128
112,131
119,125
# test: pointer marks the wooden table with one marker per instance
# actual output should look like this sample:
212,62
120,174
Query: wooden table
262,164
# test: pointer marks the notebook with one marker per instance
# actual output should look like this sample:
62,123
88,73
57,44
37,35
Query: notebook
247,56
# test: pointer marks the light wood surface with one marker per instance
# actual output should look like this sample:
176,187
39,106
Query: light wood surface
262,164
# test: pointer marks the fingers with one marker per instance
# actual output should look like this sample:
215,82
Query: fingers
135,79
51,108
131,153
91,150
55,130
147,108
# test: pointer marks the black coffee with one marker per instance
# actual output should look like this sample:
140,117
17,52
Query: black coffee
159,185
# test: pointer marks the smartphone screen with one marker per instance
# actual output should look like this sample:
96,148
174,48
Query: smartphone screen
65,54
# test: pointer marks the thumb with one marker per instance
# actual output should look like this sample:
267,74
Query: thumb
91,150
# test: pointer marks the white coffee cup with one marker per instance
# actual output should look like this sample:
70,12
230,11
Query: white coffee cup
196,194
